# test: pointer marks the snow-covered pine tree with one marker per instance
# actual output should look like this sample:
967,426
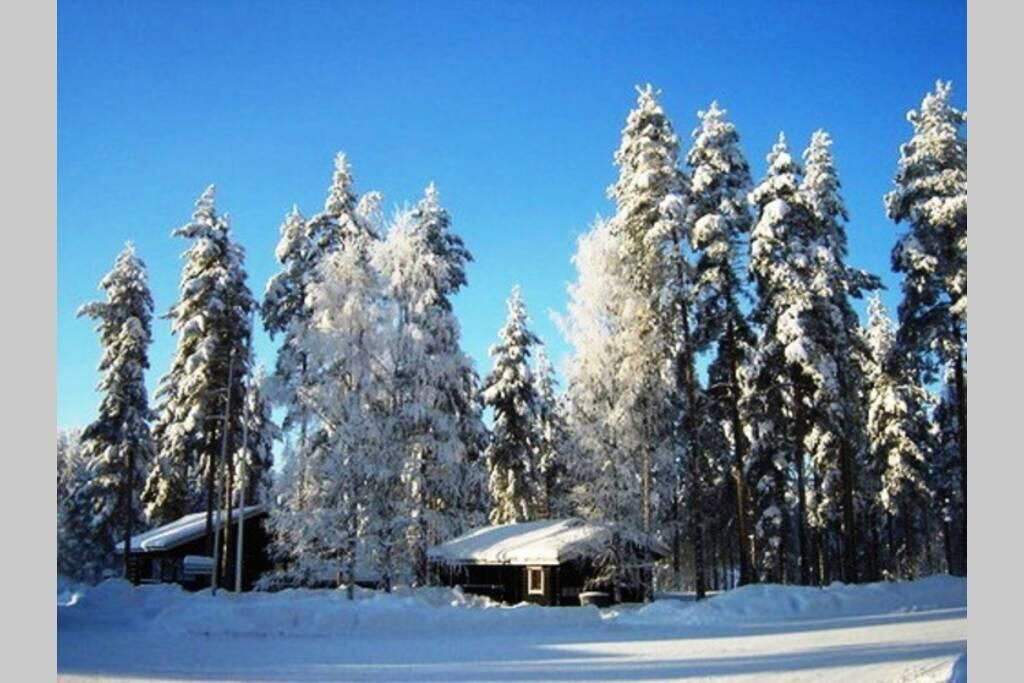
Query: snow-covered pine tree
931,198
719,223
553,450
811,340
510,391
212,323
898,428
117,447
433,385
837,441
781,269
766,428
650,216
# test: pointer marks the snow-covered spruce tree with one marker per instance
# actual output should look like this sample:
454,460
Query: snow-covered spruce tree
72,512
285,314
600,413
719,223
433,385
931,198
554,469
254,460
117,447
212,323
510,391
650,216
898,429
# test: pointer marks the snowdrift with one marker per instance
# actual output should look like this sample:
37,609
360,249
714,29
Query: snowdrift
772,603
304,612
170,610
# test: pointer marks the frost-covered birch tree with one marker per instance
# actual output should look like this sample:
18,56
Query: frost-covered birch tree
599,412
322,522
328,301
433,386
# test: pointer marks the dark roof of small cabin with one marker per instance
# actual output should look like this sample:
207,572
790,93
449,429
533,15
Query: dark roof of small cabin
181,531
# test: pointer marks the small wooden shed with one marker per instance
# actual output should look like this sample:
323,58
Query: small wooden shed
548,562
177,552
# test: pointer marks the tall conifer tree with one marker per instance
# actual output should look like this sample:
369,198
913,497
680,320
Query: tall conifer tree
931,199
116,448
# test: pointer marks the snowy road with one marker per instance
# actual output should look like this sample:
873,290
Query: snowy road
806,638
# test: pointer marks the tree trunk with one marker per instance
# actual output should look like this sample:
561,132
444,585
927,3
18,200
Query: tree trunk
128,507
926,534
210,474
875,543
892,544
677,544
648,587
421,526
961,400
849,514
739,455
947,543
229,477
781,575
800,430
908,542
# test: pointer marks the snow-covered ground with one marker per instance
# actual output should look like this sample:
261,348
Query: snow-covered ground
913,631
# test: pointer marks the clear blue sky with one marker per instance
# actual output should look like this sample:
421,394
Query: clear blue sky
512,108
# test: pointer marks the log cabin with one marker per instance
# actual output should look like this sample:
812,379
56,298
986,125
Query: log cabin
178,552
548,562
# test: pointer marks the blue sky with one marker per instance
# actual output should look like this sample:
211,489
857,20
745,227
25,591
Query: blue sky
513,109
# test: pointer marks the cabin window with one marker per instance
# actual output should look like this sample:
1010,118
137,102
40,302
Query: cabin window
535,580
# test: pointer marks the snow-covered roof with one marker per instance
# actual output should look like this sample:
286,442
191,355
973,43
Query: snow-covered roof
547,542
188,528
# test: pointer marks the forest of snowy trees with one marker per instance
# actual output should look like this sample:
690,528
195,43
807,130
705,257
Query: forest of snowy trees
735,387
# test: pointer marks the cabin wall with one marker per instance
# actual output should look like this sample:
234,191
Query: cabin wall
510,583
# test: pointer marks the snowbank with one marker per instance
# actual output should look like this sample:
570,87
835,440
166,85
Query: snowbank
772,602
170,610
